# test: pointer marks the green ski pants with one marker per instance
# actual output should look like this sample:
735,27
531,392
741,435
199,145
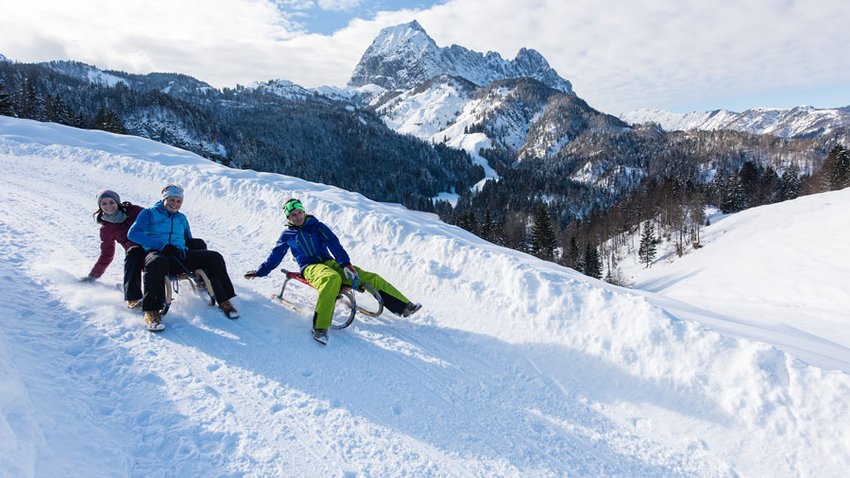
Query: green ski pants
328,277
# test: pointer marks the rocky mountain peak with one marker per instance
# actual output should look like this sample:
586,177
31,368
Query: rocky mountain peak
401,39
404,56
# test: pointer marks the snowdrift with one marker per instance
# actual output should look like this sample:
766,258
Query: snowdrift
776,274
515,366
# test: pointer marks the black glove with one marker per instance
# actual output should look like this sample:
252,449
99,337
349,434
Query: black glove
171,250
251,275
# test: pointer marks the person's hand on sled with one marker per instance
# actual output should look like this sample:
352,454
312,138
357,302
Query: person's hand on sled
350,273
171,250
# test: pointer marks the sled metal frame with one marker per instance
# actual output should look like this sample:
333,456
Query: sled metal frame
199,282
346,300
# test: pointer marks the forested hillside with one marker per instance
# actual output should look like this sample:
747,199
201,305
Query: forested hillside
313,137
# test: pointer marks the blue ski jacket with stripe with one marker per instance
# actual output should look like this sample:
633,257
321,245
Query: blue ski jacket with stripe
311,243
155,227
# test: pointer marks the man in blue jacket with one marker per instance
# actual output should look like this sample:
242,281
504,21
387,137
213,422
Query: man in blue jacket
165,234
326,266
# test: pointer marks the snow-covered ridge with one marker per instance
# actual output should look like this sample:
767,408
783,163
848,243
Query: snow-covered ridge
282,88
515,366
795,122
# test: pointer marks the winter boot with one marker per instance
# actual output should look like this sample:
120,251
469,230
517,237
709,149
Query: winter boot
229,310
153,321
321,336
410,309
134,304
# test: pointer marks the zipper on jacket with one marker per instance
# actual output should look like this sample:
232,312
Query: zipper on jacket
303,240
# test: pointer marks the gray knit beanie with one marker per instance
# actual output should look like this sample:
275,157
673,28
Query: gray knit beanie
107,194
172,190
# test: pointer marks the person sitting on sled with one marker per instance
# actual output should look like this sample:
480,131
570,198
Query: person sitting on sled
115,219
164,233
326,266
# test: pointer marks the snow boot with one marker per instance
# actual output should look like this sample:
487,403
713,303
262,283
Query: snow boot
229,310
410,309
321,336
134,304
153,322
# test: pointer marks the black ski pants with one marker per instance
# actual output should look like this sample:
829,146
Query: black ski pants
158,265
134,261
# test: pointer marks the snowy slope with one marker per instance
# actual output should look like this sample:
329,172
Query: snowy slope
515,367
777,273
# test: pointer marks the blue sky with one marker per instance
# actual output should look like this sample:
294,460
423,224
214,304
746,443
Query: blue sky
331,16
677,55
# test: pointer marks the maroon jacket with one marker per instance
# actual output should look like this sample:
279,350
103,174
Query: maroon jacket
110,233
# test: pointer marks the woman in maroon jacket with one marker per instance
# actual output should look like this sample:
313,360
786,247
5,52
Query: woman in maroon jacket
115,219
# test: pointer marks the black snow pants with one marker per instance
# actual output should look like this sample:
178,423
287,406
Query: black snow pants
158,265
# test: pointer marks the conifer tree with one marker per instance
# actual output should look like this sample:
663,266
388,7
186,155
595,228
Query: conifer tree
26,100
572,255
789,184
592,263
5,102
57,112
488,227
543,240
648,241
107,120
467,221
836,168
733,196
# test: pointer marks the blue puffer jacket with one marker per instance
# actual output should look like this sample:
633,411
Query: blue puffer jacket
312,243
155,227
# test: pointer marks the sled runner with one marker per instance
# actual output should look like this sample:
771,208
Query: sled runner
198,281
346,302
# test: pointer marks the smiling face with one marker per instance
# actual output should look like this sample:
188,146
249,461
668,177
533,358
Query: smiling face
172,203
108,206
297,217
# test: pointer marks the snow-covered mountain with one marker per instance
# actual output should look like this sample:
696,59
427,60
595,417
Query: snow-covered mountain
515,366
404,56
284,89
802,121
469,100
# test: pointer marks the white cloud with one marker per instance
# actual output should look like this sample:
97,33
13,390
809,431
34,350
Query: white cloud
339,5
619,55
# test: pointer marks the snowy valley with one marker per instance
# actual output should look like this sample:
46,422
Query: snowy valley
515,366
